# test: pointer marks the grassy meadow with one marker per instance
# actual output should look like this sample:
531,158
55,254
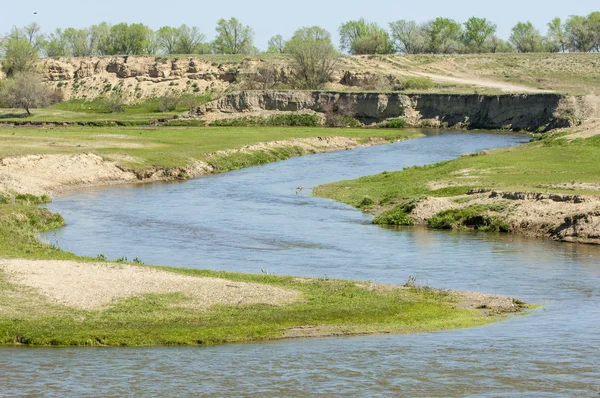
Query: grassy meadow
555,164
331,307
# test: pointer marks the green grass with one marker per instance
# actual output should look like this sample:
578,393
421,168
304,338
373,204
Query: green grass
574,73
144,147
549,165
95,112
333,306
295,120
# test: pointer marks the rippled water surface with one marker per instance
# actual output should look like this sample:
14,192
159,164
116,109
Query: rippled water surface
252,220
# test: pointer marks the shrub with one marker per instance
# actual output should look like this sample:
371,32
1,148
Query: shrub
395,216
336,120
168,103
366,202
394,123
115,103
185,123
417,83
476,217
295,119
25,90
399,215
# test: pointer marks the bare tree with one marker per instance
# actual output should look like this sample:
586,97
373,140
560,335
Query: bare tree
25,90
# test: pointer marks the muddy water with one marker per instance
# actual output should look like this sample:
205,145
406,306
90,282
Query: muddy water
253,220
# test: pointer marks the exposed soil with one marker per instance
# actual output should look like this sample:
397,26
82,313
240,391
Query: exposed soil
570,218
91,286
55,174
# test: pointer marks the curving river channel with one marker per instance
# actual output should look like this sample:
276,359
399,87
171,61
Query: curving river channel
252,220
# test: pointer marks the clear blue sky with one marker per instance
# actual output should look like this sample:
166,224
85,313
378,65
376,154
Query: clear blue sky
270,17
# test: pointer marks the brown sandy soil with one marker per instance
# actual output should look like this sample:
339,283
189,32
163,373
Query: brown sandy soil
479,82
54,174
444,71
92,286
571,218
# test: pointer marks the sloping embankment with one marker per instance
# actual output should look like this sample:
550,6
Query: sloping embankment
531,112
54,174
560,217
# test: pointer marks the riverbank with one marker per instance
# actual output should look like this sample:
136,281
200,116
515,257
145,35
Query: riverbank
549,189
52,297
55,160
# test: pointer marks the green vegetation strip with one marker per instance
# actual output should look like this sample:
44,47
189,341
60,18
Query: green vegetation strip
139,147
329,306
551,164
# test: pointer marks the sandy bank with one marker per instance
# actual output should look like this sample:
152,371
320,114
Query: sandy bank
55,174
568,218
98,286
91,286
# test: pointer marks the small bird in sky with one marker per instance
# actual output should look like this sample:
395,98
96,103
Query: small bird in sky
35,13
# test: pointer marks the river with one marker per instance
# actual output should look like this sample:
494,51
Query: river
254,220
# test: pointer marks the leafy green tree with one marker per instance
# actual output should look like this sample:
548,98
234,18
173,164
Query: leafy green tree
25,90
363,37
408,36
79,42
498,45
101,37
56,46
442,36
314,57
580,38
168,37
276,45
189,40
526,38
20,50
124,39
477,34
233,38
557,35
593,22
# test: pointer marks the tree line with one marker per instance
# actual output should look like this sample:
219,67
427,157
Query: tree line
476,35
438,36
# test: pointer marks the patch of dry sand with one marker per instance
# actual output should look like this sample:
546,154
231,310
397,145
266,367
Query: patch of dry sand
47,174
90,286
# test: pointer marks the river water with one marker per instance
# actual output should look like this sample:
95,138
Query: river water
253,219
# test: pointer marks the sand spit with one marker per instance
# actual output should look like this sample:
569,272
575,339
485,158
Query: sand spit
92,286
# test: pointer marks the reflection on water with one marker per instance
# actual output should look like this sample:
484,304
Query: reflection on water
252,219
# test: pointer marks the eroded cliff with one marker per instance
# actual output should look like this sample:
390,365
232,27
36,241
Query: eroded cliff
516,112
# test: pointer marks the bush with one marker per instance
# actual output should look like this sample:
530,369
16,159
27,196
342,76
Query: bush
417,83
336,120
168,103
394,123
395,216
366,202
476,217
115,103
185,123
301,119
25,90
399,215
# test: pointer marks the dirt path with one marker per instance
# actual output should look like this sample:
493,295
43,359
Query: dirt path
92,286
470,81
446,74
